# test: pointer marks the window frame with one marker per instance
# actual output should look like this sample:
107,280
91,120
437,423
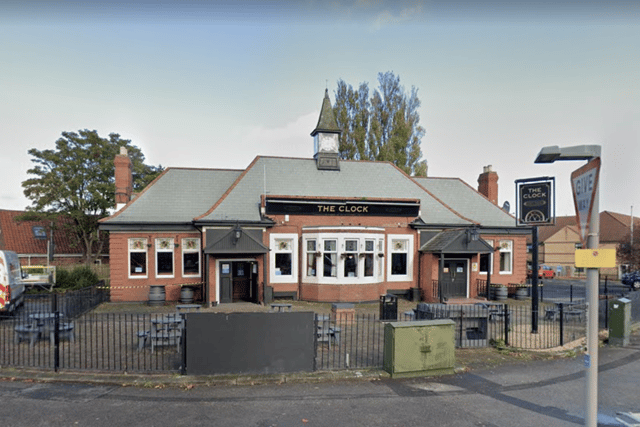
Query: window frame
186,250
490,255
276,249
341,254
392,248
164,250
506,247
138,245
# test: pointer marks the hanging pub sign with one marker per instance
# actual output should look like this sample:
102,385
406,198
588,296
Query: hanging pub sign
536,201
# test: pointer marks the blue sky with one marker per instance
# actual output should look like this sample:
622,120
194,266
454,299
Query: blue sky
213,84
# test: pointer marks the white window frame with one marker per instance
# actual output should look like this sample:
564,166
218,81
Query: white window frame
408,249
137,242
506,246
186,249
169,249
293,239
341,238
490,242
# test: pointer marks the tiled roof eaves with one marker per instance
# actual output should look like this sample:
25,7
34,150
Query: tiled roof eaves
229,190
115,215
440,201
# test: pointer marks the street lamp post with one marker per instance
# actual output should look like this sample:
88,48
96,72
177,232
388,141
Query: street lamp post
586,152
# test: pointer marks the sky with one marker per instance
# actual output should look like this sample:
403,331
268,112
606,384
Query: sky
214,84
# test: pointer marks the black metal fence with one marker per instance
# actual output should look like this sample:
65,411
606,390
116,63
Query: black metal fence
61,332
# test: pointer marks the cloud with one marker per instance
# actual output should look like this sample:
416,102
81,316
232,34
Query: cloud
291,140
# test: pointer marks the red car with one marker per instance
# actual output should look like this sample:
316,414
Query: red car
544,272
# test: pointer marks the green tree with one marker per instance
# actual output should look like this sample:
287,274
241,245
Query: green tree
384,126
76,180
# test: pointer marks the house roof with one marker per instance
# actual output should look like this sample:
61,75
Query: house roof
18,236
176,196
614,227
300,177
467,201
215,196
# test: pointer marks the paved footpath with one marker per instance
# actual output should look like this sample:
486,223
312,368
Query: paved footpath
544,393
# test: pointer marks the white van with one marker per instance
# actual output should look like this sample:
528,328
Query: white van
11,285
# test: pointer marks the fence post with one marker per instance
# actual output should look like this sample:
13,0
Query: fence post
571,292
506,324
461,326
606,305
56,329
561,313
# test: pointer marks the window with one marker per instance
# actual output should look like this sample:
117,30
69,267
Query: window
368,256
350,258
330,258
311,258
164,257
137,258
506,256
400,262
283,268
344,257
191,257
486,260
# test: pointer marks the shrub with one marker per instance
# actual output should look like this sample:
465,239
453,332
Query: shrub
79,277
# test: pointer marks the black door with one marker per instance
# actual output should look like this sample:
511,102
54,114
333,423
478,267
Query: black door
454,280
226,283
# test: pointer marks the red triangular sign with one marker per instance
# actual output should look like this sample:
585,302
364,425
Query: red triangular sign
584,184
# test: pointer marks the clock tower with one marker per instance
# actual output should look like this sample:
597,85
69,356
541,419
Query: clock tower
326,137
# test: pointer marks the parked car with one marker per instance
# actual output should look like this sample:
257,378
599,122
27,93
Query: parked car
632,280
544,272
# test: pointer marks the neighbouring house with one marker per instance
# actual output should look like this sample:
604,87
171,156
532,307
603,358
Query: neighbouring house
315,229
558,243
32,241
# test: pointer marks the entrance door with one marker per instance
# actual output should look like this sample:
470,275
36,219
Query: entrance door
226,284
241,281
454,278
238,281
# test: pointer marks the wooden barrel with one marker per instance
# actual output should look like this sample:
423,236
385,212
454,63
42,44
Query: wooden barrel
522,293
157,295
186,295
501,293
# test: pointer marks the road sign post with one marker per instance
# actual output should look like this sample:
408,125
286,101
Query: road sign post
584,183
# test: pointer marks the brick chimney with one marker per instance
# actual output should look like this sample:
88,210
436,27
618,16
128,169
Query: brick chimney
124,178
488,184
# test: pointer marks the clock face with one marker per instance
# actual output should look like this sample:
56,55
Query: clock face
328,142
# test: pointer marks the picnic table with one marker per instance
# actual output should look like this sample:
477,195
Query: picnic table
280,307
166,330
42,325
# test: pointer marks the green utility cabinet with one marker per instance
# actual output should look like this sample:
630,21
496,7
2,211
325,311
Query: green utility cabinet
413,349
619,322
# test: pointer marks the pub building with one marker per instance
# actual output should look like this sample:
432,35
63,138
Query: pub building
314,229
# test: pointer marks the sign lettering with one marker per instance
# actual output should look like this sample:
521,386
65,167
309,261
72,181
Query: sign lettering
584,183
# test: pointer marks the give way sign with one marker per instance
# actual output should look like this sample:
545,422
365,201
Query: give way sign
584,183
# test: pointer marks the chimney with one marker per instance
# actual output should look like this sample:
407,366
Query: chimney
488,184
124,178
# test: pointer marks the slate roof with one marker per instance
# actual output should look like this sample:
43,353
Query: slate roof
327,120
177,196
300,177
455,241
216,196
18,236
467,201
